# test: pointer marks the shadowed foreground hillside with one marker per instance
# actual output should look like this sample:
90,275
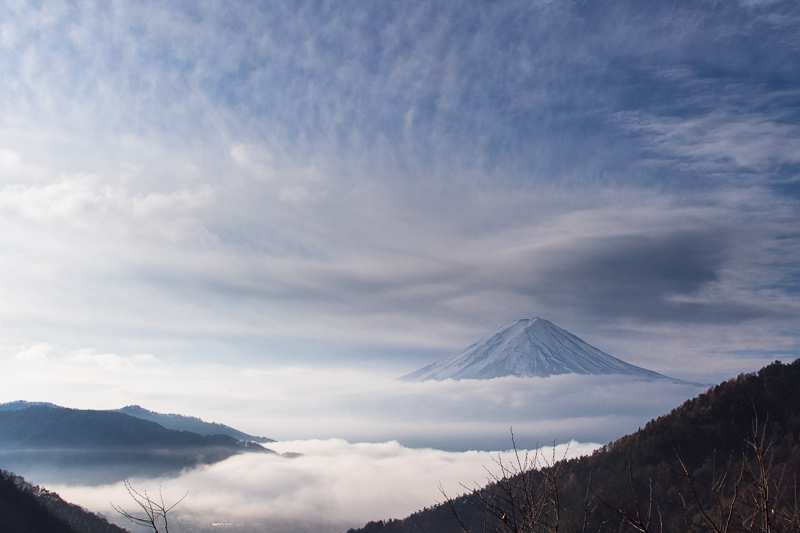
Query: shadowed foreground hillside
26,508
724,461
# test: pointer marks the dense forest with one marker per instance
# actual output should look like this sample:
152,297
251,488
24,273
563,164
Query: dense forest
726,461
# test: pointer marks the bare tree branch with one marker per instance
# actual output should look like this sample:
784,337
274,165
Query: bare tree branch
155,511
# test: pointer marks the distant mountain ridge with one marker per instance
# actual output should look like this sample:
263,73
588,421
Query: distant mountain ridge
43,427
22,404
528,348
189,423
104,446
169,421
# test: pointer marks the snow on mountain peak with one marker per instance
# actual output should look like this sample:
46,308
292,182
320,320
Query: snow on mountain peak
527,347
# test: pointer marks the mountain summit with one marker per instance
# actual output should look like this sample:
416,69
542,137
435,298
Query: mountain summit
526,348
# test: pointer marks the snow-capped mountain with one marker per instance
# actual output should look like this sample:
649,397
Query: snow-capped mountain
526,348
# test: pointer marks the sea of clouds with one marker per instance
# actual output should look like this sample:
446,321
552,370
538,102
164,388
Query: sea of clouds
332,486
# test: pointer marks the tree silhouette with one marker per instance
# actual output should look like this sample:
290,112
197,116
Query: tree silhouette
155,510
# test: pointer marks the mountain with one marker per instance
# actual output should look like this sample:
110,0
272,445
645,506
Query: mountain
726,460
189,423
47,427
21,404
103,446
527,348
169,421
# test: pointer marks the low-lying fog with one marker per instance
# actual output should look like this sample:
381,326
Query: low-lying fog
333,486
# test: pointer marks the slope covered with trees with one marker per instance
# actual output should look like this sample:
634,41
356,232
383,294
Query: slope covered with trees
26,508
726,461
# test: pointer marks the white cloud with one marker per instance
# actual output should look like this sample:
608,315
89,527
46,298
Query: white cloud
293,194
257,161
85,203
726,134
334,485
10,162
33,354
87,253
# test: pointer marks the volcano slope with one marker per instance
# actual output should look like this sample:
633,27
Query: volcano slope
726,460
531,347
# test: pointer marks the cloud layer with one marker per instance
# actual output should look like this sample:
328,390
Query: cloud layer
333,486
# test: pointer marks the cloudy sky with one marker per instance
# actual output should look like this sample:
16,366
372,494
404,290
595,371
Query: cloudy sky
362,186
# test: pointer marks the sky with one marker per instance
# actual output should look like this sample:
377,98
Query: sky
327,189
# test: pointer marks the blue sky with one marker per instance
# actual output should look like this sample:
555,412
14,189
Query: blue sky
381,184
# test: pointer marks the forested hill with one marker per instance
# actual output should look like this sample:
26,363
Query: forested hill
728,457
26,508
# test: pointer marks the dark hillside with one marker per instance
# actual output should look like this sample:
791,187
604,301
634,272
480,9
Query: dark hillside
26,508
45,510
21,512
718,437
